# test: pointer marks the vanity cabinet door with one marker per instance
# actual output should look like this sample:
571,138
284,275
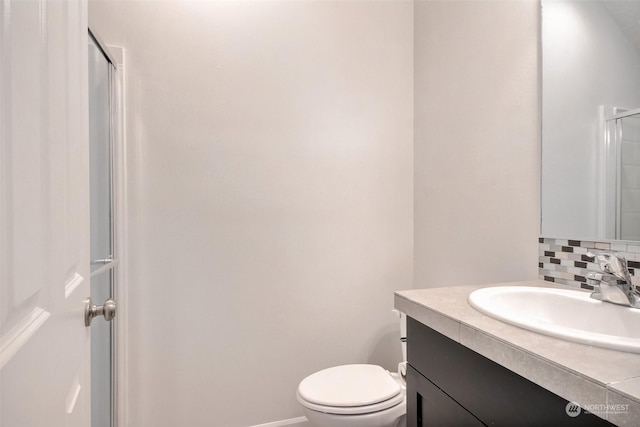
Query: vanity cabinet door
427,405
492,393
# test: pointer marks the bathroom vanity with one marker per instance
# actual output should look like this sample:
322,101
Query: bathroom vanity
468,369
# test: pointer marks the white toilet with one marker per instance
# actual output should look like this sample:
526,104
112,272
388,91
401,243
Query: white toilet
355,395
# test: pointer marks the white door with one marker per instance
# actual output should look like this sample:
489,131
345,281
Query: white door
44,214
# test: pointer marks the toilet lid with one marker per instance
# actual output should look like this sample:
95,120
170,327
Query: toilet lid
349,385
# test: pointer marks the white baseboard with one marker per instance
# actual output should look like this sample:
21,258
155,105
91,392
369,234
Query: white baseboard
292,422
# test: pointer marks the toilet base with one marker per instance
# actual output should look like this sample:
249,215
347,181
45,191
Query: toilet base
392,417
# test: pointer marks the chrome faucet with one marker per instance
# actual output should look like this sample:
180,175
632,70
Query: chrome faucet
614,283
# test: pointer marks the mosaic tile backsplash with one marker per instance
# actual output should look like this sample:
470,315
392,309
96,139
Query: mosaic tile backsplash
566,261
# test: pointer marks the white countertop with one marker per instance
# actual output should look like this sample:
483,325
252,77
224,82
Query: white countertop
605,381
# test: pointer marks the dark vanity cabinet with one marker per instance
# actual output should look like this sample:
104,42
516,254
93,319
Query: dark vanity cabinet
451,385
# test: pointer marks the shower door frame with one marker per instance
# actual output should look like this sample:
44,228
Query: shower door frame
118,223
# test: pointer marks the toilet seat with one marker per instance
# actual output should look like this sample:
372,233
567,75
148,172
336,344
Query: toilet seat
353,410
350,390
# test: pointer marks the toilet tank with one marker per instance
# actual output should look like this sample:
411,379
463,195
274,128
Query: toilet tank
403,335
403,332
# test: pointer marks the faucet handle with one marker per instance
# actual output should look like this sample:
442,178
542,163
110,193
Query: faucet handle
610,262
613,264
601,259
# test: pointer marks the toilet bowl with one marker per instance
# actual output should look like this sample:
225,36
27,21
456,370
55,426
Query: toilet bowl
357,395
353,396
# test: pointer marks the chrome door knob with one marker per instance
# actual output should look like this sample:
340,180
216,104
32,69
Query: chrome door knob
108,310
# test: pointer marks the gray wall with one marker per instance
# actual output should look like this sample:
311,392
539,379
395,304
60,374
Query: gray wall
476,151
272,185
271,215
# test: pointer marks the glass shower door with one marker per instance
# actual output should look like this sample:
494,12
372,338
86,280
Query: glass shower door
103,259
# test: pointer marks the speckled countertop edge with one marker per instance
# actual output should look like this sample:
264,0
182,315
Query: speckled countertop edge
593,377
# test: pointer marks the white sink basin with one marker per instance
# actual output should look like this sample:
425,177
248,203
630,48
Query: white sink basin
566,314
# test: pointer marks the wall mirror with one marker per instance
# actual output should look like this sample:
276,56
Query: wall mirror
591,119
